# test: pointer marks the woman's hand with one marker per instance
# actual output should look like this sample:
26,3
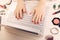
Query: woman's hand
20,9
38,14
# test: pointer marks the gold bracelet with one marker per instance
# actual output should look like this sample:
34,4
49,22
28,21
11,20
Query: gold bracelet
54,29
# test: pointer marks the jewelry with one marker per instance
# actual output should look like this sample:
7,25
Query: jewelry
54,31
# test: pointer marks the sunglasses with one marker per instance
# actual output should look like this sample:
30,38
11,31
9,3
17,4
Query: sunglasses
54,6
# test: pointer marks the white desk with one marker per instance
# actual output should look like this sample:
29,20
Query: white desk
14,34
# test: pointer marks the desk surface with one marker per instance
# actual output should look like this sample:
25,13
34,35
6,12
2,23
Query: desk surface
8,33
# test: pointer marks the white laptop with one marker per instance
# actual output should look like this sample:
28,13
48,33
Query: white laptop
25,23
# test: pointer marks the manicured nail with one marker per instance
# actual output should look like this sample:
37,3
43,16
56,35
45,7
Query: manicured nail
24,12
37,22
17,18
20,17
32,21
41,20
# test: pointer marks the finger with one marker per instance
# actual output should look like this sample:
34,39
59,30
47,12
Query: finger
21,13
15,14
36,19
33,11
24,10
34,16
39,19
18,16
43,17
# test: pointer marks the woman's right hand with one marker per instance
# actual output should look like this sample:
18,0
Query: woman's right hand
20,9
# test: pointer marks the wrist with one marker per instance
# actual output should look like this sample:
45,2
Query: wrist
20,1
41,2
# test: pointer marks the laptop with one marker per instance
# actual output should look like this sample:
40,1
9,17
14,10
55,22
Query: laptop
25,23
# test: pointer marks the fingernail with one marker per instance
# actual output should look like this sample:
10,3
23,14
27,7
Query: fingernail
17,18
32,21
37,22
20,17
41,20
24,12
30,13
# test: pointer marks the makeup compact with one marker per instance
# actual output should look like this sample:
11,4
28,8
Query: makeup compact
56,21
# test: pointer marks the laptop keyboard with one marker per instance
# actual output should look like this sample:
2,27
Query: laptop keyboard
26,21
